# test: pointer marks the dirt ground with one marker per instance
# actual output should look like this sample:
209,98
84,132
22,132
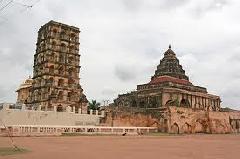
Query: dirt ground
128,147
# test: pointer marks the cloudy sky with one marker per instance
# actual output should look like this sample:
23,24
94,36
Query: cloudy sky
122,42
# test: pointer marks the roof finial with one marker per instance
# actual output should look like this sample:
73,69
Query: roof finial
169,46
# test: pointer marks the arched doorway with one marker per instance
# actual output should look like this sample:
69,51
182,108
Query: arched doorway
59,108
187,128
175,128
199,127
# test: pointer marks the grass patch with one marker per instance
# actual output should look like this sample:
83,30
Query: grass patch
4,151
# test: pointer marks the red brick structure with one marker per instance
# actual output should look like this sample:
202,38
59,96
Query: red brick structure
173,103
170,87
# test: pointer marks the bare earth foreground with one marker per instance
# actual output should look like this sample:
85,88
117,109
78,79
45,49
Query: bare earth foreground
128,147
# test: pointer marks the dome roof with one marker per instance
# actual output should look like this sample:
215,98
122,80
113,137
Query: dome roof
26,84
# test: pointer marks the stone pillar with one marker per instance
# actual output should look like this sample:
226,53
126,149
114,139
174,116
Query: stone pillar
207,102
96,112
191,101
73,109
91,111
79,111
39,107
68,109
55,108
165,98
23,107
102,113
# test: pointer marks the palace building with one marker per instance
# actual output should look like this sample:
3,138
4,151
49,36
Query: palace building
55,83
173,104
170,86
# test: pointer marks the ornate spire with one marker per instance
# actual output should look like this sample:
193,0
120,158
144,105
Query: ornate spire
169,66
169,46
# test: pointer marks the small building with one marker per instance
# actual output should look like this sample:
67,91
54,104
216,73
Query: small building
24,90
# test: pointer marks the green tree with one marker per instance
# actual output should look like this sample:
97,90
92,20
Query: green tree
94,105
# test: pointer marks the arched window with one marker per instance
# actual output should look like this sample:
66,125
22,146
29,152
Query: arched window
71,72
50,81
71,96
60,95
54,45
60,82
71,82
51,69
70,59
72,49
61,58
63,35
63,47
72,37
54,32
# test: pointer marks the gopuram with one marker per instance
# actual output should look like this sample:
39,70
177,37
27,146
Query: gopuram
55,82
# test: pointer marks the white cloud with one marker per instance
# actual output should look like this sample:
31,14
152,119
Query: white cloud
130,37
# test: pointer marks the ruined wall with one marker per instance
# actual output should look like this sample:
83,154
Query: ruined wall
126,119
228,122
183,120
129,117
175,119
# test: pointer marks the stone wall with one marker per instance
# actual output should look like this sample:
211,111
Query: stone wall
32,117
183,120
175,119
129,117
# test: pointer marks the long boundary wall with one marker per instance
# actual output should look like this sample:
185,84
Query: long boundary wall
32,117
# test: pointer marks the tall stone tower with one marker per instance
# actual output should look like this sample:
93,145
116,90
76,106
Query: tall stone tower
56,69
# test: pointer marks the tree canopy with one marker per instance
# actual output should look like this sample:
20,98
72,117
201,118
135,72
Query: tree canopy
94,105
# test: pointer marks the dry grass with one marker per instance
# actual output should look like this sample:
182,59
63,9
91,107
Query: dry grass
4,151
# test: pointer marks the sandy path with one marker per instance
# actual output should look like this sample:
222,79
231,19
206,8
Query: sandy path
129,147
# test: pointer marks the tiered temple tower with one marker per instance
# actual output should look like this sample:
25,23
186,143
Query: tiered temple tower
56,69
170,86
